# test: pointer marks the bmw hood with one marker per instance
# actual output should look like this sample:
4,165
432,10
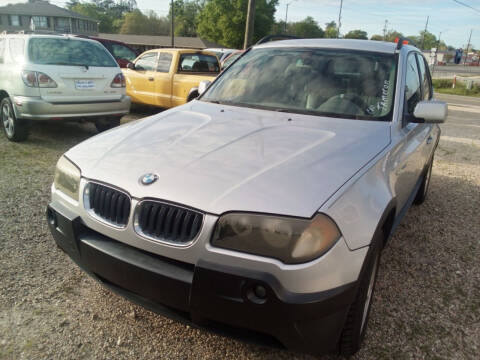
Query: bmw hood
220,158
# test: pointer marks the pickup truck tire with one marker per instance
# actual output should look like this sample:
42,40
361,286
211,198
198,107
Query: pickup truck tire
15,129
192,96
423,190
106,123
356,323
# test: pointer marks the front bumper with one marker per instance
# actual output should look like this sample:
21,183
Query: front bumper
212,296
35,108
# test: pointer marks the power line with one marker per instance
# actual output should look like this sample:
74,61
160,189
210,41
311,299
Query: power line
466,5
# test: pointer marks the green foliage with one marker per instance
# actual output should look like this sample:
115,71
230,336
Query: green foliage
392,35
331,30
307,28
377,37
186,16
136,22
444,86
428,40
107,12
356,34
223,21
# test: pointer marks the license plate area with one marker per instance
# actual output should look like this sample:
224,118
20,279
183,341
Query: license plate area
84,84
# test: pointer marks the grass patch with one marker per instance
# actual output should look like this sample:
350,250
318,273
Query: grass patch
444,86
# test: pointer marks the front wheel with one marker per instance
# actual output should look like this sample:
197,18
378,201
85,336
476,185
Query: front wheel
15,129
356,324
106,123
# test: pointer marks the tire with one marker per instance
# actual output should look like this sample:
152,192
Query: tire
15,129
192,96
357,319
106,123
423,190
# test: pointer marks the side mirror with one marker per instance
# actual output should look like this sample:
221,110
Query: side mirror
432,111
204,84
131,66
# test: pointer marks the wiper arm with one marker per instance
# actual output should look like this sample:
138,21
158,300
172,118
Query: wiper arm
67,63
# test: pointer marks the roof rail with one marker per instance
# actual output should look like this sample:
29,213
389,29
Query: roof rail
403,41
276,37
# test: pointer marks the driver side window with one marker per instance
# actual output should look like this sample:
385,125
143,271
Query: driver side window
413,90
147,62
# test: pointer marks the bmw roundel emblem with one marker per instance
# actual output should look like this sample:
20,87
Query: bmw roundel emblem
148,179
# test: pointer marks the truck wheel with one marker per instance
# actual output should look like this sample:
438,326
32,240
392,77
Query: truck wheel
106,123
192,96
15,129
356,324
423,190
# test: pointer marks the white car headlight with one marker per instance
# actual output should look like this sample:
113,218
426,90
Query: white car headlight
290,240
67,178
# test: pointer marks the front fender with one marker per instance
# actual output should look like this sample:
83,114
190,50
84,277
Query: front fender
362,205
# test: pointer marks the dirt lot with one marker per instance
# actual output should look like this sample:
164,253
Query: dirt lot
427,303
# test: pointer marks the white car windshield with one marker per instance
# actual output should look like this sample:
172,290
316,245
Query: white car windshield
52,51
328,82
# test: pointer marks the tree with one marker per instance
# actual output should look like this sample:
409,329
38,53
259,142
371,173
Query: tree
377,37
331,30
108,12
356,34
307,28
95,12
392,35
136,22
186,16
223,21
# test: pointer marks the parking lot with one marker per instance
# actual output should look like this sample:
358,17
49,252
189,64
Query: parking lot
427,302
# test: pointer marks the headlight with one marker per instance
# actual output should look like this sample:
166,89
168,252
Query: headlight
290,240
67,178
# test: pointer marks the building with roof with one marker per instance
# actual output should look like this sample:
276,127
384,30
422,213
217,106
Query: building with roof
146,42
40,15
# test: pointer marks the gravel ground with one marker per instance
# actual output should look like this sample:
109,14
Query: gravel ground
427,303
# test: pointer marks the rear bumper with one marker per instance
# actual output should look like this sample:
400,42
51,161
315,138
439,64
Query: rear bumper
207,295
35,108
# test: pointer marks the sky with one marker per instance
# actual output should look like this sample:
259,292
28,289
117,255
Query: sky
447,17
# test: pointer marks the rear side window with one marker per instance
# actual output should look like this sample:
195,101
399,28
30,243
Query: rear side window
51,51
17,49
198,63
425,78
147,62
164,61
413,91
2,50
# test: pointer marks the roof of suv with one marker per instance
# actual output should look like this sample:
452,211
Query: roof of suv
351,44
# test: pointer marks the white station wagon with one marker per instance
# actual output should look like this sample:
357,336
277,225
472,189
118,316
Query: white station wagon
58,77
265,204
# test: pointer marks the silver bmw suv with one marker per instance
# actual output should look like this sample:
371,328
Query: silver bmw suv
264,204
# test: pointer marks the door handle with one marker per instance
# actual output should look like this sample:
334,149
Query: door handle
150,79
429,139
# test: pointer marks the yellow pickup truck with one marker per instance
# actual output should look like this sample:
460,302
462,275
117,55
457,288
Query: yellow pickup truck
169,77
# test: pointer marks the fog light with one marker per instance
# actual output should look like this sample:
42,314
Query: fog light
257,294
51,217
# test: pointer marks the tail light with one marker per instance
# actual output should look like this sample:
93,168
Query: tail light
38,79
118,81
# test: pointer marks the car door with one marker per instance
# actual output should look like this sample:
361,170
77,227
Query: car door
141,79
163,79
414,135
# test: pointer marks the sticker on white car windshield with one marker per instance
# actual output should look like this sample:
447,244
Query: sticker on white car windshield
382,105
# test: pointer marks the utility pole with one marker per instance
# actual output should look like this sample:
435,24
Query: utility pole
250,23
468,45
173,27
286,16
340,18
436,51
385,31
425,31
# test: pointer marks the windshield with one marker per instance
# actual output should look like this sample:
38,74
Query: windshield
329,82
51,51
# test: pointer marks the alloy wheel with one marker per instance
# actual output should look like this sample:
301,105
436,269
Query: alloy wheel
8,122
